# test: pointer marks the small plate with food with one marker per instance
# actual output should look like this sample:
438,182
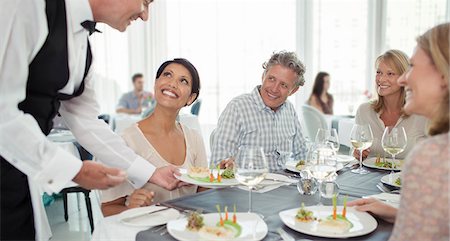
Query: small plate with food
209,178
218,226
329,221
394,180
386,164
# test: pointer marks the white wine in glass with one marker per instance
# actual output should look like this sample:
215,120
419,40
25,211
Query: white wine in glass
394,141
251,168
361,138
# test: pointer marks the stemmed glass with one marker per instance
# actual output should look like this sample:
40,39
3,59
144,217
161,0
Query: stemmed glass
251,168
331,136
393,142
361,138
322,165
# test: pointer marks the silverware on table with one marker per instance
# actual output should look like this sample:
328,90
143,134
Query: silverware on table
143,214
385,189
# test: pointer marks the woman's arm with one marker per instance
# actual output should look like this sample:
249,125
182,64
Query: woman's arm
139,198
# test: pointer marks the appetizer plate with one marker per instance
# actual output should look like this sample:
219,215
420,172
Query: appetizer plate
152,219
291,166
224,183
362,222
253,227
391,181
370,162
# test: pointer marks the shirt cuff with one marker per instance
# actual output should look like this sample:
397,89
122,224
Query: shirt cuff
139,172
59,171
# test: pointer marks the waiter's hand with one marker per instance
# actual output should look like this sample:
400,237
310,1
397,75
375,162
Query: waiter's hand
93,175
164,177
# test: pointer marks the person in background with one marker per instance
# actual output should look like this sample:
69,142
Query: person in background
387,109
134,102
264,117
424,207
161,139
45,61
320,98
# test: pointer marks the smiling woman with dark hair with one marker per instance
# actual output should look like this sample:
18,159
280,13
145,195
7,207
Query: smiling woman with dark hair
161,140
320,98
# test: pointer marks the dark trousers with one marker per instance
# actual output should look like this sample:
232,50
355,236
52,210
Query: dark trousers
17,220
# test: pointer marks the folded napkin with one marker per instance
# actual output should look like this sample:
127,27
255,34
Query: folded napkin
389,198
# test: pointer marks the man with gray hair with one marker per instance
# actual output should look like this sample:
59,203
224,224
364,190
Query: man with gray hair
264,117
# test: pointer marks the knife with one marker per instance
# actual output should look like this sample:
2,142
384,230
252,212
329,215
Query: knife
127,219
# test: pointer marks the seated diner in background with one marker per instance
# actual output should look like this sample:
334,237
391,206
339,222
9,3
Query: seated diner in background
161,140
264,117
135,101
320,98
424,205
387,109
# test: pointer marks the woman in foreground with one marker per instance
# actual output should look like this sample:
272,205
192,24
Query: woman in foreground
424,207
161,140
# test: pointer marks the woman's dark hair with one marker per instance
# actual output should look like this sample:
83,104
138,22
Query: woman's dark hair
190,67
318,84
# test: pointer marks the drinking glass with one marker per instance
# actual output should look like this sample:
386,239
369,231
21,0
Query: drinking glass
393,142
322,163
328,189
251,168
331,136
361,138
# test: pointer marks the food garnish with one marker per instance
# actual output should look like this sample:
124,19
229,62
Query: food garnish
304,215
228,173
219,177
300,164
226,213
336,223
195,221
398,181
220,214
234,214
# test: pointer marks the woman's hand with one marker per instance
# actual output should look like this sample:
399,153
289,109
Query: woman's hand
364,156
140,198
378,208
227,163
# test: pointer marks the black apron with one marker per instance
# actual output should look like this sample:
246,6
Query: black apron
48,73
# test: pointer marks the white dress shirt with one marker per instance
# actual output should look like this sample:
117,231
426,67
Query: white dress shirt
23,30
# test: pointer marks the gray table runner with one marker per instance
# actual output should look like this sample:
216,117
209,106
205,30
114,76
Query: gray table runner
271,203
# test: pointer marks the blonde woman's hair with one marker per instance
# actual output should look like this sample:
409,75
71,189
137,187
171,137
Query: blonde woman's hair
435,43
399,62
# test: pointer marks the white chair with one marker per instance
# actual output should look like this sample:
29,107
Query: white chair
313,120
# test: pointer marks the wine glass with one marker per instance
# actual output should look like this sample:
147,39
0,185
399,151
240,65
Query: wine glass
331,136
322,163
251,168
393,142
361,138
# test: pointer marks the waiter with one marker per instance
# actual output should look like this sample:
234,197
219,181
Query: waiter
45,61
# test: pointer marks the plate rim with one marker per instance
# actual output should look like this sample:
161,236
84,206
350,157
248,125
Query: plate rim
387,182
128,212
266,228
375,167
185,178
327,235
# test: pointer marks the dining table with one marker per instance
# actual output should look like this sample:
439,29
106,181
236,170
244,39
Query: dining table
269,204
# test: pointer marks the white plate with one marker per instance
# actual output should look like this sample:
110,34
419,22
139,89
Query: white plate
345,158
253,227
290,165
362,222
385,179
224,183
370,162
153,219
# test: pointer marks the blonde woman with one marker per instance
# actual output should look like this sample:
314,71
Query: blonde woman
386,110
161,140
424,207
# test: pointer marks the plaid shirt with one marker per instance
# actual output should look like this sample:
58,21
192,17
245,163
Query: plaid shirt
248,121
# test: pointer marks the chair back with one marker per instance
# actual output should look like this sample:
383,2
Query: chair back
313,120
195,109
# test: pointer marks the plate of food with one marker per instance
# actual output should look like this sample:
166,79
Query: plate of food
210,178
218,226
386,164
298,166
395,180
329,221
148,216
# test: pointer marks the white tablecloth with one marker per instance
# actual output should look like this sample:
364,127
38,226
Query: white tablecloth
110,228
